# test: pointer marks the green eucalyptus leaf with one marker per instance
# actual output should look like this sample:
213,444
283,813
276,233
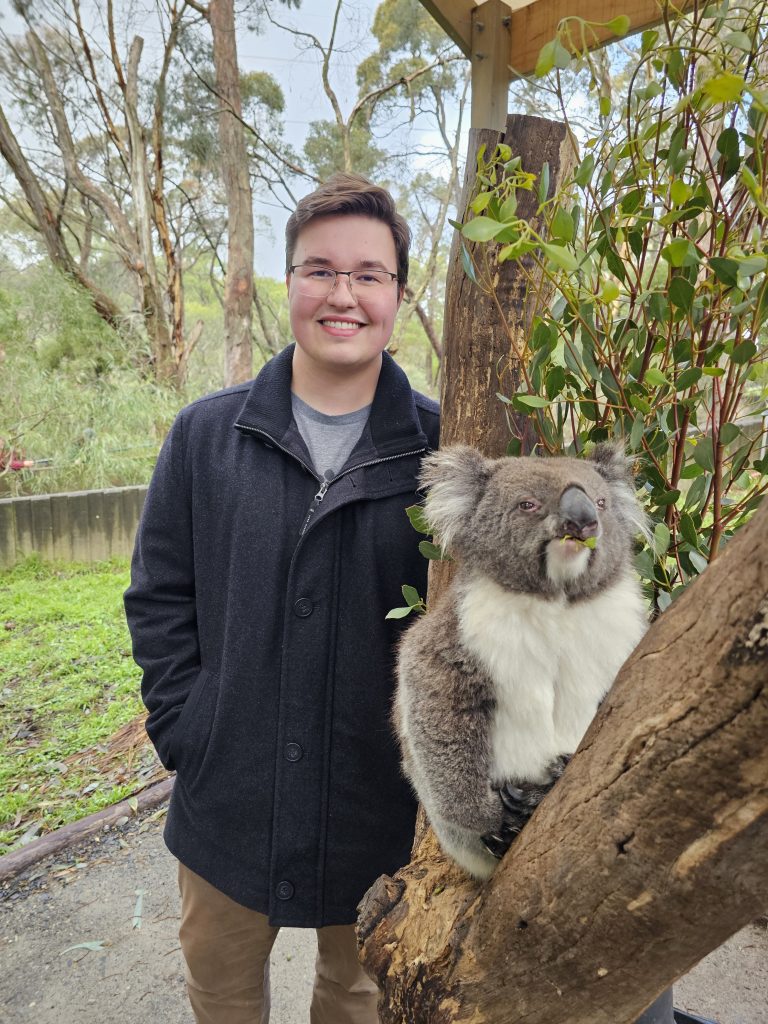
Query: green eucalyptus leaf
739,40
688,378
411,595
681,293
655,378
636,435
744,352
466,262
751,265
666,498
562,226
561,55
555,382
609,291
479,203
680,192
698,561
704,455
398,613
546,59
562,257
508,209
688,530
482,229
619,25
661,538
677,252
728,433
648,42
726,271
530,401
432,551
725,87
418,520
585,170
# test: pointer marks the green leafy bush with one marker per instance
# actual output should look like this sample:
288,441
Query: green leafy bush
655,251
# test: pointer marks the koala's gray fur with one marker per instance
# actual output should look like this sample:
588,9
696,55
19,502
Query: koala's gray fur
505,674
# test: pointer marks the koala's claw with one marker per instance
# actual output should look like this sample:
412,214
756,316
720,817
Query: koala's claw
497,843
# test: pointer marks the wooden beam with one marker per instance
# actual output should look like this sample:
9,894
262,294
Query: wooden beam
490,64
455,18
533,26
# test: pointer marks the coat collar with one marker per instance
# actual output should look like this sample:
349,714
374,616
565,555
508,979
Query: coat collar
394,422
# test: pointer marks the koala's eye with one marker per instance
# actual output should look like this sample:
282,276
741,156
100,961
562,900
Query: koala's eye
600,502
528,506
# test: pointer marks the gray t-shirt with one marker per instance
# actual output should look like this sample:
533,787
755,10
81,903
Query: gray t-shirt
330,439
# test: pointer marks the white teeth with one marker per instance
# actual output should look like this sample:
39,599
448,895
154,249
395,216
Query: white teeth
341,324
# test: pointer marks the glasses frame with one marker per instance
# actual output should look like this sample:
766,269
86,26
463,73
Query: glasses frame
346,273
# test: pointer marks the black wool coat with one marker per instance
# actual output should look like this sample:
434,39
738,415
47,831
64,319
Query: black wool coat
257,611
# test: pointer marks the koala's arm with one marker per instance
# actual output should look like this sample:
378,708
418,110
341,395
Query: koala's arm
443,712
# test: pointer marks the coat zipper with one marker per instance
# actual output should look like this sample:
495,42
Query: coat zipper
325,483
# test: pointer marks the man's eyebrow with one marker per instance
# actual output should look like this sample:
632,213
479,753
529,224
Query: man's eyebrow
321,261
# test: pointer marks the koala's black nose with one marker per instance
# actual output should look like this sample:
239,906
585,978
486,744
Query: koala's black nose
578,513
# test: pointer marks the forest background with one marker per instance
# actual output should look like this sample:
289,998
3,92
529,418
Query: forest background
114,215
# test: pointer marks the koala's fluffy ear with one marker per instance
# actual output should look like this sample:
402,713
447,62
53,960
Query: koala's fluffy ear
454,478
613,465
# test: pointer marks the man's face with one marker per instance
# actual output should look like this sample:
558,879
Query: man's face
347,330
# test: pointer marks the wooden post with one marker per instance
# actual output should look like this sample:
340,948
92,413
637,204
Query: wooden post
480,330
490,64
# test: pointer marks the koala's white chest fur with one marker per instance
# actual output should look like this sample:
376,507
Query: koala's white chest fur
550,662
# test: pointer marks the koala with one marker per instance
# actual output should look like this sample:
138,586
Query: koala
498,683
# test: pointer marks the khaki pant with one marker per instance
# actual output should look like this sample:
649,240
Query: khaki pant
227,946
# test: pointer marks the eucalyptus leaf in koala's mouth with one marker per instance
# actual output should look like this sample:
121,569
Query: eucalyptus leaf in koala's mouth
588,542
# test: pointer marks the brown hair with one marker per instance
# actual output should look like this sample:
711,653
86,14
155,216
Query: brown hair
346,193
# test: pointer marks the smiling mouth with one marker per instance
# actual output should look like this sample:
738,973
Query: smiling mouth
342,324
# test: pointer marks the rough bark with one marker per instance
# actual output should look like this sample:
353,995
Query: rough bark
481,330
648,854
238,293
154,312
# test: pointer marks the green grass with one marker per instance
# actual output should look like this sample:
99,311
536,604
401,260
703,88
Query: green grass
67,683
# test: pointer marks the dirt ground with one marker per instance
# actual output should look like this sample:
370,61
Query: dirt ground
89,937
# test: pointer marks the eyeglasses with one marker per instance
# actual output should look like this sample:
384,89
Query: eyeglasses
316,282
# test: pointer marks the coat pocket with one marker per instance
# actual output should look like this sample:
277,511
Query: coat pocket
193,727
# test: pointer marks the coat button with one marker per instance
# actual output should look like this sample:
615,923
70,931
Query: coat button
303,607
293,752
284,890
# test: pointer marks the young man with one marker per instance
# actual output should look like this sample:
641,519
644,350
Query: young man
273,542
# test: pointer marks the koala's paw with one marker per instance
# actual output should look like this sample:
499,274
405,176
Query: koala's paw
497,843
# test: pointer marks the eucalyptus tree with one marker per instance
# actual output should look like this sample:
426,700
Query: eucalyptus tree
112,159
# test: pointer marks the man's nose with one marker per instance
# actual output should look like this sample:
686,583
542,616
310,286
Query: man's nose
341,294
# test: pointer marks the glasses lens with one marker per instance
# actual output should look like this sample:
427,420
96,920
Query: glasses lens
319,281
314,281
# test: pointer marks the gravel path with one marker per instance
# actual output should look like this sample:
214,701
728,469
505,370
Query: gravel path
131,975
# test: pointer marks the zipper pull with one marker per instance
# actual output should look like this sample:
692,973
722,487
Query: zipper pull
326,483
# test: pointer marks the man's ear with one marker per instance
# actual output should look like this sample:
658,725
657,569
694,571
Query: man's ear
455,478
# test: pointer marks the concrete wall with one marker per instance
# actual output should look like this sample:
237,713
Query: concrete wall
81,526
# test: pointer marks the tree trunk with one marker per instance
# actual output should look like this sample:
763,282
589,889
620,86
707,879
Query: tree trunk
166,361
649,853
47,223
238,294
481,330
